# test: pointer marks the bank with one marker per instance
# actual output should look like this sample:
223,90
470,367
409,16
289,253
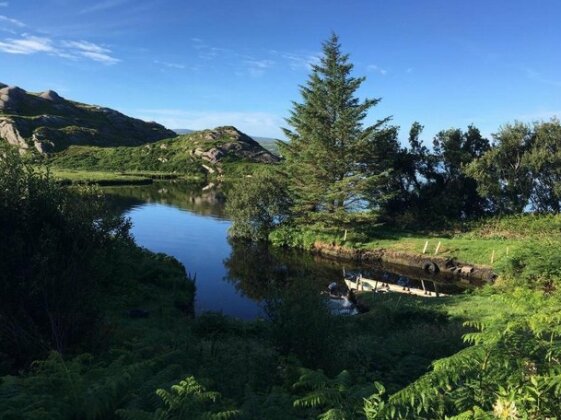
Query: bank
479,252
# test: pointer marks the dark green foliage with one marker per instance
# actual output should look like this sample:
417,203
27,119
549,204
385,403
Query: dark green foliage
431,187
523,169
511,368
330,399
257,204
54,245
302,325
332,160
187,399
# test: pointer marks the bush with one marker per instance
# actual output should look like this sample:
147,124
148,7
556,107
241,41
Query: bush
54,246
256,205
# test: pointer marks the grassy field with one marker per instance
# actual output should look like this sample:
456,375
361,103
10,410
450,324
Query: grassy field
496,242
107,178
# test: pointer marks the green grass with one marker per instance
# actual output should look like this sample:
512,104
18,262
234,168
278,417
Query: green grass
67,176
108,178
494,242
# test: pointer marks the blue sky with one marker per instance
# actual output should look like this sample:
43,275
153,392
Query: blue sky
199,64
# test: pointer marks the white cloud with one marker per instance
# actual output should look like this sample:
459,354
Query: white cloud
170,65
298,61
377,69
257,68
4,4
90,50
12,21
27,45
253,123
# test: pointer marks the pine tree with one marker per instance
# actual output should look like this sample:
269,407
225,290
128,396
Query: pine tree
332,160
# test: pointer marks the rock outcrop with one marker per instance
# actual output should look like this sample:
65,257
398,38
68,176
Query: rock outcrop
49,123
228,142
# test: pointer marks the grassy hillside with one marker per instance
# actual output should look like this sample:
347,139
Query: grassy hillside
187,155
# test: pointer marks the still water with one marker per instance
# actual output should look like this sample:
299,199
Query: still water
234,278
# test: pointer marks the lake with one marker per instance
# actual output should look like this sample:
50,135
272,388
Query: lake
234,278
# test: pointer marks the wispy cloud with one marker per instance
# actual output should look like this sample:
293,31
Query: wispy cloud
167,64
12,21
298,61
257,68
256,123
27,44
90,50
4,4
377,69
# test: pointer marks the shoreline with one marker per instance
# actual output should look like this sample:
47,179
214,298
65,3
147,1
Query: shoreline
447,268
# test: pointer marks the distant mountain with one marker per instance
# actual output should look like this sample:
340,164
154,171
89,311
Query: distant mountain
49,123
268,143
183,130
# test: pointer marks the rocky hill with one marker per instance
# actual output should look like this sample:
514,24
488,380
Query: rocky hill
268,143
227,143
197,152
48,123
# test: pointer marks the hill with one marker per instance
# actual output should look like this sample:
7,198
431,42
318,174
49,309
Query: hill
197,152
268,143
48,123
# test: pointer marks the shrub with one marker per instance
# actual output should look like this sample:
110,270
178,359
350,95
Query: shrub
54,245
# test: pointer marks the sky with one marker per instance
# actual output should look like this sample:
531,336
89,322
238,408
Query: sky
199,64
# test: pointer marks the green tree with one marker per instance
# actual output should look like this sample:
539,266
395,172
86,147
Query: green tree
433,185
543,160
256,205
332,160
502,173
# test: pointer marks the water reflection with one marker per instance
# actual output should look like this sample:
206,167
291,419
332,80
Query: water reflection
233,277
179,194
256,268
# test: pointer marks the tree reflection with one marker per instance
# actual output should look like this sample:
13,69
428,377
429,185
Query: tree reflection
258,270
183,195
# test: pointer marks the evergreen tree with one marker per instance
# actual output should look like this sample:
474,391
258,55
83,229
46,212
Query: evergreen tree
332,160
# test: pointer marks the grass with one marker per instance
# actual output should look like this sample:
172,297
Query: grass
494,242
67,176
109,178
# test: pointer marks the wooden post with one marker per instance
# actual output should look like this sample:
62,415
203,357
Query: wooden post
507,251
493,257
437,248
426,246
424,288
345,235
